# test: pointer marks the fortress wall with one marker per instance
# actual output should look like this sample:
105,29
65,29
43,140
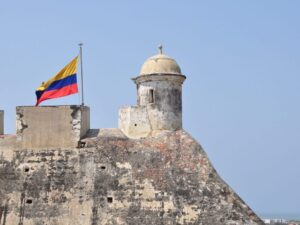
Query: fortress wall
116,180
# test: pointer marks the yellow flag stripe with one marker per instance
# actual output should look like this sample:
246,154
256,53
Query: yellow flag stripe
68,70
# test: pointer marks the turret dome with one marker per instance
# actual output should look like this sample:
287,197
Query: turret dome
160,64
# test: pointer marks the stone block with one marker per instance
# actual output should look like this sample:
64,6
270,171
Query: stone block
134,121
47,127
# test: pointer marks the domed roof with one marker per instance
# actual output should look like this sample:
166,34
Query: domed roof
160,64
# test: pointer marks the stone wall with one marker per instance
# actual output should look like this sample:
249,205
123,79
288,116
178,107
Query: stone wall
51,126
161,94
159,106
134,121
112,179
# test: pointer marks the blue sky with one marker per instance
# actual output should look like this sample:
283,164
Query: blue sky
241,59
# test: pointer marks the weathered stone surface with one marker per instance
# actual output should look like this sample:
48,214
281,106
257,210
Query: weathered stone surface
159,99
166,179
159,106
51,126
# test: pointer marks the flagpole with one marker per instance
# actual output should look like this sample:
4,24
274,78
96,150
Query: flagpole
81,73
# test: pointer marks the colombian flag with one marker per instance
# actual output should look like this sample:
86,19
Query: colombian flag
62,84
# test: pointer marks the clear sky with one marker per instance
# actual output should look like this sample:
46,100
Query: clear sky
241,59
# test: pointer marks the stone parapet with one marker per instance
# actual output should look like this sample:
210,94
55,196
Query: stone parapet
134,121
47,127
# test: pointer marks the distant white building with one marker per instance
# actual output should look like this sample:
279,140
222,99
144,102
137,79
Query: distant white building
272,221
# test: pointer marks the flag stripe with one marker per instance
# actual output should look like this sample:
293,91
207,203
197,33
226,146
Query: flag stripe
67,90
62,83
